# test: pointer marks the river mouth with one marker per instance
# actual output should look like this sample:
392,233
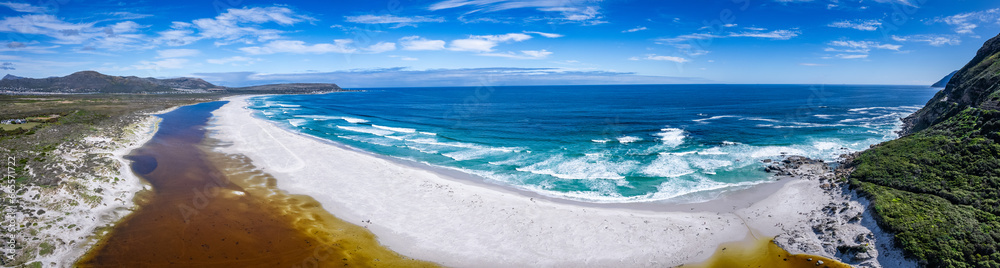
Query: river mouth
211,209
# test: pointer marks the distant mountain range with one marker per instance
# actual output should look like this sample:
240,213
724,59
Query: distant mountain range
94,82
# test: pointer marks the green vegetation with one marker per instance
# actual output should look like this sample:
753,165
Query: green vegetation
25,126
45,249
938,190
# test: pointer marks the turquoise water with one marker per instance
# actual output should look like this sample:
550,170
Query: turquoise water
608,144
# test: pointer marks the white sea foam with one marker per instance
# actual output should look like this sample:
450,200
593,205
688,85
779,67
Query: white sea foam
601,141
702,120
761,119
396,129
713,151
351,120
671,136
580,168
296,122
667,166
628,139
771,151
824,116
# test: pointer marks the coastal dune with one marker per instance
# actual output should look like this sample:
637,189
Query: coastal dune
434,215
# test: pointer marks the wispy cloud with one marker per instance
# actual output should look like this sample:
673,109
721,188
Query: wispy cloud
576,11
177,53
662,58
172,63
485,43
116,36
234,60
392,19
420,43
848,49
547,35
862,25
930,39
24,7
774,35
524,54
636,29
233,26
965,23
300,47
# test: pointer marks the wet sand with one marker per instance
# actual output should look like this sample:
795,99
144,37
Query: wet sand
209,209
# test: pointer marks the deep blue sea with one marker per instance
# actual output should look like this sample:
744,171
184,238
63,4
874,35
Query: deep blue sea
631,143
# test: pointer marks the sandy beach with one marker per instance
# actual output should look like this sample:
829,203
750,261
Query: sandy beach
437,216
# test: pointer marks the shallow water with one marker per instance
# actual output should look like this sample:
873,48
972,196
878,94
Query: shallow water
207,209
762,252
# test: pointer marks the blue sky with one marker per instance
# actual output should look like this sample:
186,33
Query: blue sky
500,42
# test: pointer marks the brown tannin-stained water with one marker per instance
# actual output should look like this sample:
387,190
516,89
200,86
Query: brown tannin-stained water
762,252
207,209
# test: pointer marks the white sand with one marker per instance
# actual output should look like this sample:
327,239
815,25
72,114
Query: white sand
433,216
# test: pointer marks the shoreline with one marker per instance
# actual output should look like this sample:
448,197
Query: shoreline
445,218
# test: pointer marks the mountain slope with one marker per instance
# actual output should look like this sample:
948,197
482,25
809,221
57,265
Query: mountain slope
974,85
94,82
938,188
944,81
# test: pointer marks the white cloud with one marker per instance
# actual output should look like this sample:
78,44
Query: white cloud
118,36
775,35
547,35
752,32
525,54
930,39
391,19
233,26
861,46
852,56
965,23
419,43
161,64
30,47
485,43
576,11
300,47
862,25
636,29
176,53
666,58
848,49
235,60
403,57
24,8
381,47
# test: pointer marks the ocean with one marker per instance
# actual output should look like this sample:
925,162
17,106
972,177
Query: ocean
605,144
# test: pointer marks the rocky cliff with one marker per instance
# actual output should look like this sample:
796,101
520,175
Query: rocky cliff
974,85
